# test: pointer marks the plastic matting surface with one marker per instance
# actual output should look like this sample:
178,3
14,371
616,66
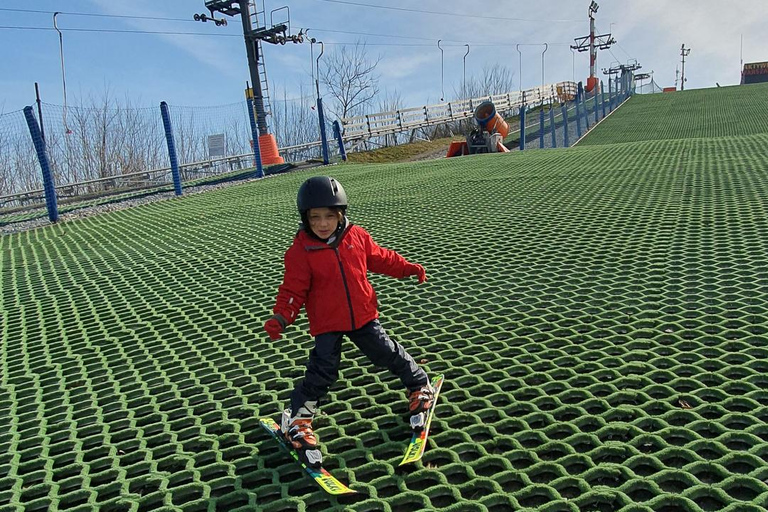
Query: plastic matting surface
599,312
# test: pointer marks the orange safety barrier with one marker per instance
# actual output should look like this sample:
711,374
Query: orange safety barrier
268,148
592,83
457,148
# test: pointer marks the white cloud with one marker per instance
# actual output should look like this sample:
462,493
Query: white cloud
206,50
398,67
711,29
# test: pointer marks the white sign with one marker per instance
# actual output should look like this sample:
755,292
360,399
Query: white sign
216,145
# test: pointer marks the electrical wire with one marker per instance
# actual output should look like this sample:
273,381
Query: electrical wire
432,39
337,43
119,31
442,13
97,15
625,51
314,29
159,32
617,44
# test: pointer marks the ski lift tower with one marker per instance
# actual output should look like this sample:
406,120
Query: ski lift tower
629,68
643,76
255,31
592,43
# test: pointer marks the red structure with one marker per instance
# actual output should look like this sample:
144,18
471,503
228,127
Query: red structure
754,73
593,43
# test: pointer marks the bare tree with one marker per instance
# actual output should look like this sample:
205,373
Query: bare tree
295,119
391,102
108,137
495,79
350,77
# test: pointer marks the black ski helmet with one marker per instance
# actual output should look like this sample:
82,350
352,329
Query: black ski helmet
320,192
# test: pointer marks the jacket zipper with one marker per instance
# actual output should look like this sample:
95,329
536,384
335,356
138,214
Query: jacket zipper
346,288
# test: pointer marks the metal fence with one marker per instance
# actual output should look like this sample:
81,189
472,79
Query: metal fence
565,124
396,121
103,149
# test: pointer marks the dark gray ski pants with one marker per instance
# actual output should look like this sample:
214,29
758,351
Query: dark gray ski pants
372,340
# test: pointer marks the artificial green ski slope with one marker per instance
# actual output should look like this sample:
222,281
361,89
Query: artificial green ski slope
600,314
718,112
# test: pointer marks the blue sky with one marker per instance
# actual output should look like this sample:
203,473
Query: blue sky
211,68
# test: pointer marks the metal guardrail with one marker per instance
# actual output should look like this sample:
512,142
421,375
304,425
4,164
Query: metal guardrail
124,182
385,123
371,125
141,179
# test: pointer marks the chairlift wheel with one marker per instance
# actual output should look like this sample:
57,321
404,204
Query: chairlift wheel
196,17
221,22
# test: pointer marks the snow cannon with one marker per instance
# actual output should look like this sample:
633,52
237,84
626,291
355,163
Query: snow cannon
487,138
490,120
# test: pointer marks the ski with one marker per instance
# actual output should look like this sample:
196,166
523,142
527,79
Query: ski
419,439
323,478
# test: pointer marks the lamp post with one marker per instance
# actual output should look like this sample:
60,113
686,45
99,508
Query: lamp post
573,65
464,92
442,72
63,75
684,52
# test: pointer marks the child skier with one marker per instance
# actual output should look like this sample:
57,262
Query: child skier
326,271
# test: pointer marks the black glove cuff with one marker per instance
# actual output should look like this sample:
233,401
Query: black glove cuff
280,319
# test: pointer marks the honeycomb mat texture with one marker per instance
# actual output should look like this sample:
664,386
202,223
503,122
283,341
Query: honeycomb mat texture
599,312
720,112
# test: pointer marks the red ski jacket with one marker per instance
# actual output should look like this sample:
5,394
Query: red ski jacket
332,280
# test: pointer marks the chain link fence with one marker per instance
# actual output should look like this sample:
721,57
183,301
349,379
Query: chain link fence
105,148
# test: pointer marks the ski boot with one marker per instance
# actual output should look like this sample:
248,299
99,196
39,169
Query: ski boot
420,402
298,433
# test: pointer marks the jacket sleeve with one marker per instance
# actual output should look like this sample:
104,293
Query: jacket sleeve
384,261
292,294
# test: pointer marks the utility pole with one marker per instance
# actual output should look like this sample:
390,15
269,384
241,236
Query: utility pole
741,59
275,34
684,52
592,43
252,52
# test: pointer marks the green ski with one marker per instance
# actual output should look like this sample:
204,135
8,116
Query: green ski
323,478
419,440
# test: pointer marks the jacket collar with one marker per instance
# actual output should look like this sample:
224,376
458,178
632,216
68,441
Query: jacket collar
311,243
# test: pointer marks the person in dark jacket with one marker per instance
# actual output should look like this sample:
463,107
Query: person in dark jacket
326,271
